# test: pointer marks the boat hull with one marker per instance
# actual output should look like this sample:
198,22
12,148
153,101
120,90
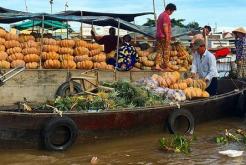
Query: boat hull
26,127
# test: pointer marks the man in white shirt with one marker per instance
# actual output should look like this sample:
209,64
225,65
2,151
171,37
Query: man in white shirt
204,66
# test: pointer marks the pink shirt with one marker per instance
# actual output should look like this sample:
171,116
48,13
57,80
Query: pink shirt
163,19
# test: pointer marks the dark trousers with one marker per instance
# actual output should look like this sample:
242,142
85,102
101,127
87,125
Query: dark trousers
212,88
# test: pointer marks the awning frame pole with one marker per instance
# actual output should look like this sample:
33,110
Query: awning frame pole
117,49
81,25
135,36
41,47
155,17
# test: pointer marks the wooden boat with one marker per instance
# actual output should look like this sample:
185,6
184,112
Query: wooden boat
45,128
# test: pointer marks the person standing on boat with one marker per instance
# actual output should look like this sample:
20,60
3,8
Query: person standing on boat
204,35
109,41
204,66
240,44
163,36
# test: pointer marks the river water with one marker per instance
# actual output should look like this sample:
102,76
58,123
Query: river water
140,149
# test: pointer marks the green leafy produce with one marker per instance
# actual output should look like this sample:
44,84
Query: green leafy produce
124,95
176,143
239,137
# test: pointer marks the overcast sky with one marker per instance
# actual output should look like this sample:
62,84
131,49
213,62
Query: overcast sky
225,13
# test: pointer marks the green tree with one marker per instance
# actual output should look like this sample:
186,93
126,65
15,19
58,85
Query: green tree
150,22
193,25
177,22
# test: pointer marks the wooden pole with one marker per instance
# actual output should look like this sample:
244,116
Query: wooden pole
117,50
135,36
81,26
164,2
155,17
41,47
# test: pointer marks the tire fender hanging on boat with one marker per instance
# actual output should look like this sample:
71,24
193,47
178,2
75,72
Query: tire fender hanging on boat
241,105
173,117
52,132
65,87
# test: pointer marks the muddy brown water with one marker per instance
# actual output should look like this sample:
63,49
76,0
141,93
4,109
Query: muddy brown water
138,149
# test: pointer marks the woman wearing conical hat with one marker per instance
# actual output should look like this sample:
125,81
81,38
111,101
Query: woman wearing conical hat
240,44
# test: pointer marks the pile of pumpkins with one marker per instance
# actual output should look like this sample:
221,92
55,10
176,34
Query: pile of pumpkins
18,51
179,58
23,51
193,88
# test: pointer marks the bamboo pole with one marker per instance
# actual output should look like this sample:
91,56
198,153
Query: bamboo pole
42,37
117,50
155,17
164,3
81,26
135,36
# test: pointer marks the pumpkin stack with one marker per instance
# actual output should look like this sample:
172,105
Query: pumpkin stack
30,50
66,54
167,79
50,55
14,50
98,57
81,55
4,64
146,59
180,60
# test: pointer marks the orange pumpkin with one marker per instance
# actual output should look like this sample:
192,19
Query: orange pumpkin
52,64
2,41
10,36
4,64
148,63
87,64
25,38
2,48
80,51
67,43
32,50
29,44
68,64
99,58
94,46
66,50
31,58
12,44
80,43
94,52
2,33
100,65
109,67
81,58
16,56
17,63
50,48
66,57
49,41
32,65
50,56
14,50
3,56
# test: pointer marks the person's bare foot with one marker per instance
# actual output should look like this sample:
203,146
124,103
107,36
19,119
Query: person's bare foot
158,68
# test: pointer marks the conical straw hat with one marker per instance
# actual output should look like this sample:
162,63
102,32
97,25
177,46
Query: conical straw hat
240,30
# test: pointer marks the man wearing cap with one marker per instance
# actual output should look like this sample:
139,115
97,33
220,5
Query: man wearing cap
204,35
240,44
204,66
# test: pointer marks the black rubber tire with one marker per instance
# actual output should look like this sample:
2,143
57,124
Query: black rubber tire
53,125
177,113
241,105
61,91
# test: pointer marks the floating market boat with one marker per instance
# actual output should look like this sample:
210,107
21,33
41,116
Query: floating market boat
51,131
